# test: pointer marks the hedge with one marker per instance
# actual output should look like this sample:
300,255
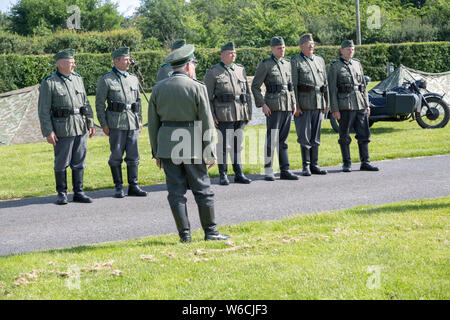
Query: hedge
19,71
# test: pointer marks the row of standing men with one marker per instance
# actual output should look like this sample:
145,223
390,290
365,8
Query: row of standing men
298,87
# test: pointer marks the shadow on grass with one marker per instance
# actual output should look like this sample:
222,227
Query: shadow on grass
401,208
373,130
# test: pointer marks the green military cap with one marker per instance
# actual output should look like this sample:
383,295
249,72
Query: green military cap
305,38
121,52
181,56
347,43
177,44
228,46
64,54
276,41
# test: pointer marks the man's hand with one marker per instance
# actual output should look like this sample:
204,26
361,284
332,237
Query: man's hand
325,111
368,111
266,110
52,139
159,163
91,132
298,112
106,130
140,127
216,122
210,163
337,115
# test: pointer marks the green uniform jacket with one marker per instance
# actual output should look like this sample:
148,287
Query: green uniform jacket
60,92
164,72
113,86
181,99
351,73
271,71
219,80
310,72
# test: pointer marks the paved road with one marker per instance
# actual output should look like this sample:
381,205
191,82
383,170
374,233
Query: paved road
36,223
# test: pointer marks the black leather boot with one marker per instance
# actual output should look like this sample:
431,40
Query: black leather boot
133,188
285,174
306,161
346,159
116,172
208,222
364,157
315,169
77,182
239,176
182,222
223,178
61,187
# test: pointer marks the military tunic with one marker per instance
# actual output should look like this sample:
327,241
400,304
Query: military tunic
120,87
348,95
310,85
60,111
280,98
231,106
180,116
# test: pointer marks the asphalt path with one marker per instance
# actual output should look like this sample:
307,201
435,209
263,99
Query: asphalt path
33,224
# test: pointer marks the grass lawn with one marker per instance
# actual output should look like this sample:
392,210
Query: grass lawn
395,251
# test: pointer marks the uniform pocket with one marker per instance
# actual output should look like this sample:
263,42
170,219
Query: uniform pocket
60,126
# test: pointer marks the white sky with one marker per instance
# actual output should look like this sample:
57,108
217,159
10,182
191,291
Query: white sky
126,7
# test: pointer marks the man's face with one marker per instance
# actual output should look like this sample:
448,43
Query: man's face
347,53
307,48
228,56
191,69
278,51
66,66
122,63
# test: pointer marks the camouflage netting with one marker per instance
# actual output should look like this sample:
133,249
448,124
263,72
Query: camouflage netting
436,82
19,122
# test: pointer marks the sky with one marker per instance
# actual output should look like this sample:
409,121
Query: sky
126,7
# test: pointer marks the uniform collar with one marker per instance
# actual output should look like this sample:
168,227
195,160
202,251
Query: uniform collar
179,73
119,72
310,58
227,67
63,76
281,60
344,61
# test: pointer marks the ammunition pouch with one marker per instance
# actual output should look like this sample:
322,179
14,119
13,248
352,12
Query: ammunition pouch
348,88
64,112
229,97
120,106
277,87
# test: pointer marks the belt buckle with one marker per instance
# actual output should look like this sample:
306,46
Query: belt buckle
356,88
76,111
128,107
284,86
237,98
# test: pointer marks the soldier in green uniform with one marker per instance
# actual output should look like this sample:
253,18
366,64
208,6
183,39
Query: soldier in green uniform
278,104
121,120
349,103
231,107
179,109
309,76
166,70
66,117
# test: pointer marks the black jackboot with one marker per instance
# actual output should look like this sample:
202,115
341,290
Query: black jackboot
346,159
116,172
283,158
182,222
315,169
306,161
364,157
61,187
239,176
77,182
208,222
223,178
133,188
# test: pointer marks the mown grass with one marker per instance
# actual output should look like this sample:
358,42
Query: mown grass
395,251
27,170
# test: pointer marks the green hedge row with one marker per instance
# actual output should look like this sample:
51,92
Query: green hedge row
92,42
20,71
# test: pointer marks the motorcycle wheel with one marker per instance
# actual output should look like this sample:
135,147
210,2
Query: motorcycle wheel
436,117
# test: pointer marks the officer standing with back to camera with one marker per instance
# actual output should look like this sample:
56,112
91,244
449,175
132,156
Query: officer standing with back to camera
231,107
278,104
349,103
179,109
66,117
309,76
121,120
166,70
